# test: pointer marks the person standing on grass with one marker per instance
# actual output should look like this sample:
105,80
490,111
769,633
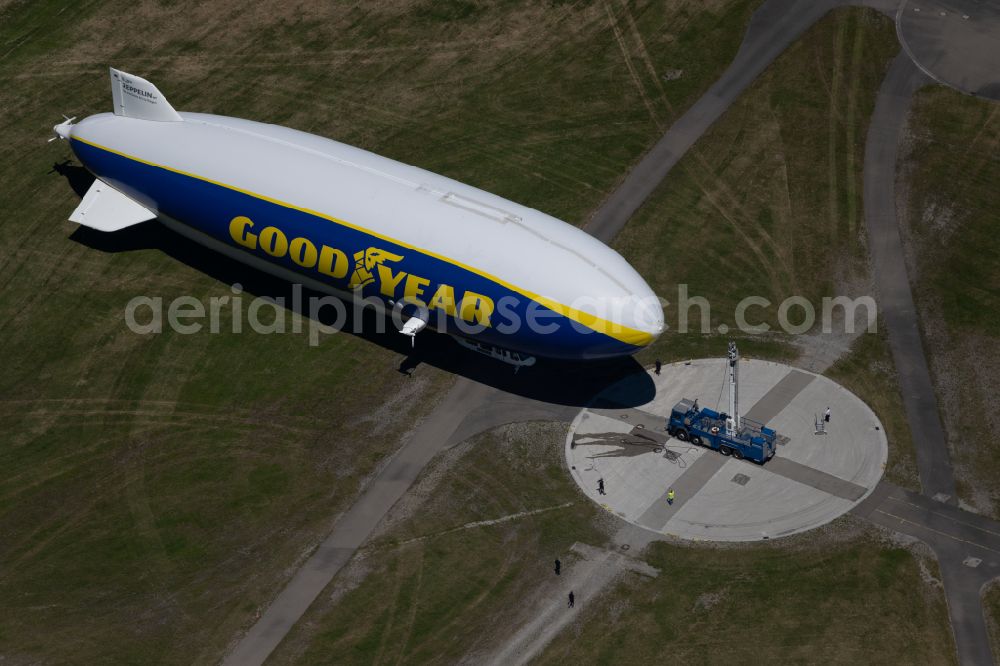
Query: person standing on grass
558,566
572,599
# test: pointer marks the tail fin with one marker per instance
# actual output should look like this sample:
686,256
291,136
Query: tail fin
135,97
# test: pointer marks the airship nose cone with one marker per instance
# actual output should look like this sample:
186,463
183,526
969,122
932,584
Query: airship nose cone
648,313
635,320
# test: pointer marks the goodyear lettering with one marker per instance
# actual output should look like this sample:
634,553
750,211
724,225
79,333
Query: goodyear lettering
389,281
332,262
365,261
239,229
444,299
476,308
414,288
369,266
273,241
303,252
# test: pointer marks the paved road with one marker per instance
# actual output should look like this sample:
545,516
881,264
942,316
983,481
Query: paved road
957,42
955,536
891,280
950,532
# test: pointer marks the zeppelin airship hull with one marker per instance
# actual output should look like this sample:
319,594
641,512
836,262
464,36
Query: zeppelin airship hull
468,262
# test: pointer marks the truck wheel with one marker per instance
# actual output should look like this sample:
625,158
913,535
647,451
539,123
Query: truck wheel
696,440
681,435
725,450
670,431
737,454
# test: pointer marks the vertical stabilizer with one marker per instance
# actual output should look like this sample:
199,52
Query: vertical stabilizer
135,97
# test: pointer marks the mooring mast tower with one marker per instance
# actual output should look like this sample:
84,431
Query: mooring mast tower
733,415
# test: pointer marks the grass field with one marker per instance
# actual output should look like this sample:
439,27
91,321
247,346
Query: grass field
823,602
950,213
868,372
768,203
158,490
991,608
444,592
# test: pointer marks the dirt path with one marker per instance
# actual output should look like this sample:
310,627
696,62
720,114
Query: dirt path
587,579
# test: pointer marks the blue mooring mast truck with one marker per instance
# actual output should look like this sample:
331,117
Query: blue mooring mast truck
728,434
706,427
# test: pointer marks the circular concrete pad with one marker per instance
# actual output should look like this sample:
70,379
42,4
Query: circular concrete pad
956,42
811,480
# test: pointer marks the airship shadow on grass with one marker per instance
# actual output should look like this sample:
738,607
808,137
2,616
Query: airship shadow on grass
567,383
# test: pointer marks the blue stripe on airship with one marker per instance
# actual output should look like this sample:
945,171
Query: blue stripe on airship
210,207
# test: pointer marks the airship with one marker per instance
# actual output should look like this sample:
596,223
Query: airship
503,279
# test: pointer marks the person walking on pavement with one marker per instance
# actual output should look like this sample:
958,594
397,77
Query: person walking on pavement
826,416
658,366
670,497
600,487
572,599
558,566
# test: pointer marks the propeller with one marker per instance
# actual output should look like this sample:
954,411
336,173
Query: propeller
64,127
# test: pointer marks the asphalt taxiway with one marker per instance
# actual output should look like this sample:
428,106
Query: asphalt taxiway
955,42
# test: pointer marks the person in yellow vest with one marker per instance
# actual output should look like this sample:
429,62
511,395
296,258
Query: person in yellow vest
670,497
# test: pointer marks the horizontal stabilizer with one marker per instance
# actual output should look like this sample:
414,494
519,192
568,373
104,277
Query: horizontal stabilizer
106,209
135,97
